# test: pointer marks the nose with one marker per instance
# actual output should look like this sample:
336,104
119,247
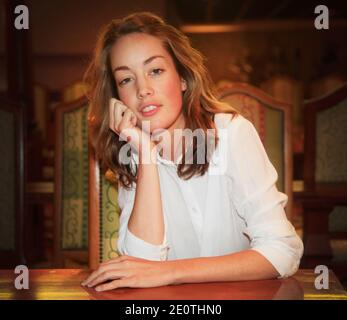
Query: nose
144,89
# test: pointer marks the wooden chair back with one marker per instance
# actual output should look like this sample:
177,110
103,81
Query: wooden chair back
272,119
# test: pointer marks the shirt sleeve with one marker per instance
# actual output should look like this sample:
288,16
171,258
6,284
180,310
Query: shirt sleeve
257,200
128,243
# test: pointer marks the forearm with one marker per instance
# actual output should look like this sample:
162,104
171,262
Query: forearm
146,220
244,265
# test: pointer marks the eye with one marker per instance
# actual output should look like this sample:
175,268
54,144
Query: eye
124,81
157,71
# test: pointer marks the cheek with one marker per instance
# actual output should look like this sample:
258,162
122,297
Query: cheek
122,94
127,98
174,93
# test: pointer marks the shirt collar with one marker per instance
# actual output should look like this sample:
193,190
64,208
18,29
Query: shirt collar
160,159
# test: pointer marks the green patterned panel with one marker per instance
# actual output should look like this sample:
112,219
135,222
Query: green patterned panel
109,220
7,181
331,165
75,181
338,219
338,223
331,144
274,142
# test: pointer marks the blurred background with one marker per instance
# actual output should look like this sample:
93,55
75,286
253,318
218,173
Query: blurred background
270,46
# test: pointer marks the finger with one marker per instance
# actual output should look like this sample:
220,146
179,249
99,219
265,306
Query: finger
101,270
119,110
126,119
114,101
120,283
106,276
126,128
89,278
133,119
93,275
116,108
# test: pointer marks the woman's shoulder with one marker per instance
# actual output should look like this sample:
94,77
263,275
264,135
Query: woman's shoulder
235,129
231,121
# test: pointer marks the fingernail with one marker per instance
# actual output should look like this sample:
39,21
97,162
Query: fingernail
97,289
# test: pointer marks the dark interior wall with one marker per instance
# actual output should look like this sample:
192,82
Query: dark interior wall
70,27
64,34
302,54
3,85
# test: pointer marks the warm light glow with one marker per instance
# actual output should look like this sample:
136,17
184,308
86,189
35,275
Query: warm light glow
6,296
44,294
266,25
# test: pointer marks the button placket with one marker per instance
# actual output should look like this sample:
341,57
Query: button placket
194,211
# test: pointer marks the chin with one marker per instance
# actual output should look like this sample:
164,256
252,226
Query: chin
155,124
162,120
167,124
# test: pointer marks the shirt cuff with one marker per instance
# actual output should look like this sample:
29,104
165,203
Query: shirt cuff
137,247
285,265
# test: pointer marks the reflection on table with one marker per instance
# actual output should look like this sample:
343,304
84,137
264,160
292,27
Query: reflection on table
64,284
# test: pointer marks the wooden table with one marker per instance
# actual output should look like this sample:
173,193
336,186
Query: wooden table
64,284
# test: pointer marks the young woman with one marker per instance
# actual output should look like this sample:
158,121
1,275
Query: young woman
221,219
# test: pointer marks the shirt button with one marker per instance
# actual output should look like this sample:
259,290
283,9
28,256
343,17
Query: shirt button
215,160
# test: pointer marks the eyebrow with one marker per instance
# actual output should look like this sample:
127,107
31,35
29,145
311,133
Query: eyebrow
147,61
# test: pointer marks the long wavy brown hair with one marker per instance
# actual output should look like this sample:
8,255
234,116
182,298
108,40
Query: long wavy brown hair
199,100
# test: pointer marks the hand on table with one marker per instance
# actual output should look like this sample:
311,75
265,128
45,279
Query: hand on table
126,271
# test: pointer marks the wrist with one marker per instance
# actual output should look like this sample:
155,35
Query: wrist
148,153
174,271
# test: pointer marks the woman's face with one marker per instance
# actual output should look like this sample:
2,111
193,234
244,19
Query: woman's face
147,80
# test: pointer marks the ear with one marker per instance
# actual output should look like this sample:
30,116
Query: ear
183,84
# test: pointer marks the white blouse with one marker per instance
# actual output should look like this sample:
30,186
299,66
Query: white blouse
233,207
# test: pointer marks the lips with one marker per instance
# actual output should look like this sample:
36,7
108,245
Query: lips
149,109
